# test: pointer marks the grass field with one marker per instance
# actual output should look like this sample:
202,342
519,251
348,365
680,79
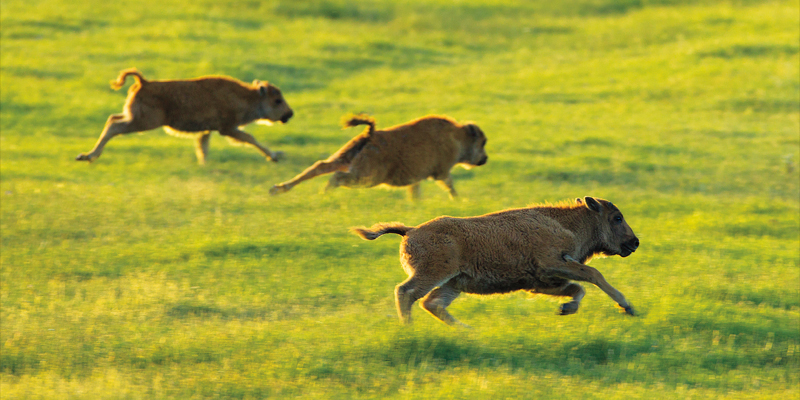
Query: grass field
144,275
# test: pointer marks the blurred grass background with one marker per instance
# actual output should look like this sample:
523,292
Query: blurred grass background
144,275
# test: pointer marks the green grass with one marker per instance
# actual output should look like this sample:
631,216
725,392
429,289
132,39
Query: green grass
144,275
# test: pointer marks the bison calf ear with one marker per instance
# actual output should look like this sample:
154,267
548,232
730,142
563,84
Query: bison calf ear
593,204
268,90
474,131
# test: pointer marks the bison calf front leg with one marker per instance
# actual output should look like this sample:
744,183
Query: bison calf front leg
244,137
413,191
446,183
574,270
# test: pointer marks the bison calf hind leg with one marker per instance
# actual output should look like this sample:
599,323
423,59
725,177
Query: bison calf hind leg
315,170
347,178
436,303
415,288
201,146
118,124
571,289
405,294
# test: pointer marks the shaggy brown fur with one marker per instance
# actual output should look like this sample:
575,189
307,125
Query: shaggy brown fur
402,155
195,108
539,249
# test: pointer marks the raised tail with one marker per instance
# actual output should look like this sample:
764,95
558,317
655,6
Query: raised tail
352,120
124,74
378,230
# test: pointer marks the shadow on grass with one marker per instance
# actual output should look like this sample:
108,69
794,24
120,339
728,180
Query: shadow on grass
302,140
27,29
110,271
610,360
751,51
599,172
756,298
130,149
11,107
186,310
445,351
334,10
564,98
335,62
732,134
759,105
442,354
320,249
252,250
36,73
467,14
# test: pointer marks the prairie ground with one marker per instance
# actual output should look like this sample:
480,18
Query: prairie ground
145,275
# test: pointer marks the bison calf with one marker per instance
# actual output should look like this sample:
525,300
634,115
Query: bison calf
538,249
402,155
195,107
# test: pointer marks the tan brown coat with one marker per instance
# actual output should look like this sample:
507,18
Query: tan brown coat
539,249
402,155
195,107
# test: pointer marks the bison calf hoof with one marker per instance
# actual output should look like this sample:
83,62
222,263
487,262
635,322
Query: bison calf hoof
276,156
567,309
277,189
627,310
83,157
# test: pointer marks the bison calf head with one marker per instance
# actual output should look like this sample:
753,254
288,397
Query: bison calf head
272,105
473,154
615,235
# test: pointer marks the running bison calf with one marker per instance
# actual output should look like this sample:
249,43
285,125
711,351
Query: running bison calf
402,155
538,249
195,108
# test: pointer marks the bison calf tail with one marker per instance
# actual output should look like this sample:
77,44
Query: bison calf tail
124,75
378,230
351,120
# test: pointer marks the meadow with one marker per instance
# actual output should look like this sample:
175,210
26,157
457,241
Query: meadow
146,276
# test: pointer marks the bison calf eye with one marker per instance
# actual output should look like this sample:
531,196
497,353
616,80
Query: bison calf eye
618,219
278,102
